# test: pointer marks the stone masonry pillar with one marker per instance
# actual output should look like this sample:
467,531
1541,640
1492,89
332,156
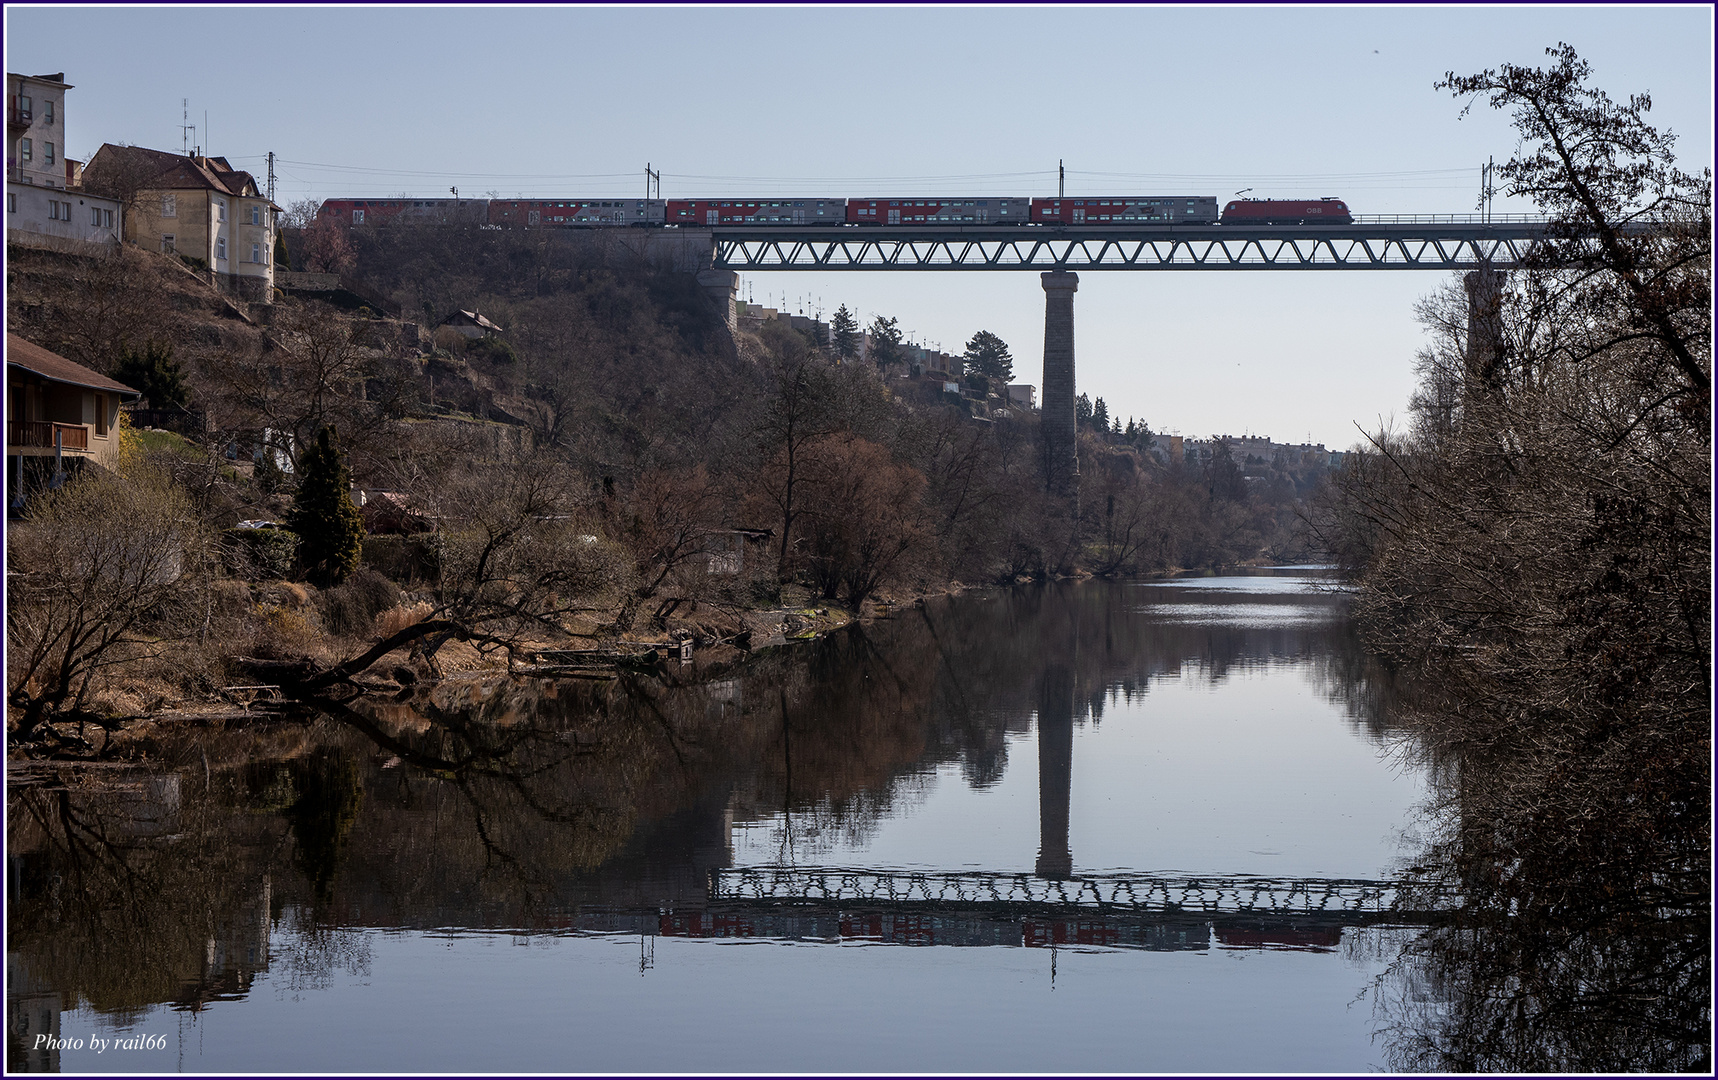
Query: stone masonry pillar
1061,460
1484,330
722,287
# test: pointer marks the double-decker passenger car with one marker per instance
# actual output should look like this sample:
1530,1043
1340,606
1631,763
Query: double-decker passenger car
374,211
1127,210
576,212
1008,210
1326,211
755,211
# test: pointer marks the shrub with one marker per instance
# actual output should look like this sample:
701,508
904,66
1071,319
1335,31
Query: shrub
405,559
351,607
259,554
394,620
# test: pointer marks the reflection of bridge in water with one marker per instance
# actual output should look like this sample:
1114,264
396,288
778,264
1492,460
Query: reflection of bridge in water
1106,894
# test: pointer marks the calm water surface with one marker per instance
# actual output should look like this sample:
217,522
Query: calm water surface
872,853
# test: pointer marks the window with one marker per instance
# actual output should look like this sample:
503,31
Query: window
95,216
256,215
256,253
26,150
47,112
169,205
59,211
357,217
166,243
220,210
101,416
11,203
47,153
220,247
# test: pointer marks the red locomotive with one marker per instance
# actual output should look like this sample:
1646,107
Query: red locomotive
1326,211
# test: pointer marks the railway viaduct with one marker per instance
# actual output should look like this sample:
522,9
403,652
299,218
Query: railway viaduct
1486,246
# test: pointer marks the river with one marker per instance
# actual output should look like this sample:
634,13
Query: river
1089,827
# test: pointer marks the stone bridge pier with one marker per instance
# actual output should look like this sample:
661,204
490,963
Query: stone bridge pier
1485,344
1061,455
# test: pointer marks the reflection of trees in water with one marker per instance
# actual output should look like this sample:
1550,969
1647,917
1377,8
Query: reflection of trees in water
1583,942
117,901
487,802
307,954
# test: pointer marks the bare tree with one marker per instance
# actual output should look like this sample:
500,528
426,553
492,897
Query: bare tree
102,572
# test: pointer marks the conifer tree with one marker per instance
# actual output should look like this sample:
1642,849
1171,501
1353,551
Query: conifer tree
154,373
988,355
330,533
844,334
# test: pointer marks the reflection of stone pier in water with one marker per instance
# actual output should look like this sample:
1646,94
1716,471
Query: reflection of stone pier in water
1055,771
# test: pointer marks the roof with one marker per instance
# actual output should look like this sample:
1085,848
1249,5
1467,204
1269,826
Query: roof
58,77
474,318
172,171
50,365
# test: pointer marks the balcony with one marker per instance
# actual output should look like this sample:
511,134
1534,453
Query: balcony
39,434
17,119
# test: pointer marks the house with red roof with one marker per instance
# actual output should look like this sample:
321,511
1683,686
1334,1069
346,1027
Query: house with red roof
199,208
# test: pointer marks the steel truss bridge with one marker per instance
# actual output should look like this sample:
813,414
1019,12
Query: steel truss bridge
1136,894
1390,245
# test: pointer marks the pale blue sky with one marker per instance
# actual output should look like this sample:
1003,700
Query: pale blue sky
911,101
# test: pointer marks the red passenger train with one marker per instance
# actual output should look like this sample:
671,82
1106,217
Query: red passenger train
1061,212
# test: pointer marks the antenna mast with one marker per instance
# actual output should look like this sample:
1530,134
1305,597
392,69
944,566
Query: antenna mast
185,126
1061,176
650,175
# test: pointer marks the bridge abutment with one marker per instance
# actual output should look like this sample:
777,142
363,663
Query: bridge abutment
1061,454
723,288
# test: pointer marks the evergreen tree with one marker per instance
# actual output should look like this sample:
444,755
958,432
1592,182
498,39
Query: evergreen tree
885,341
155,374
1101,416
330,533
988,355
1083,411
282,258
844,334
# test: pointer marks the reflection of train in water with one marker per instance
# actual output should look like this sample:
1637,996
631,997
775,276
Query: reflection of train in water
567,213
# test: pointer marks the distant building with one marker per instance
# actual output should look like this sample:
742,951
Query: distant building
1024,395
199,208
46,205
471,324
36,130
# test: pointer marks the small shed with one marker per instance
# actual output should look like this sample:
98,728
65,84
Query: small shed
471,324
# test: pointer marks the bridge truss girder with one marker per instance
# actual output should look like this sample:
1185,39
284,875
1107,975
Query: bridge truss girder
1388,247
